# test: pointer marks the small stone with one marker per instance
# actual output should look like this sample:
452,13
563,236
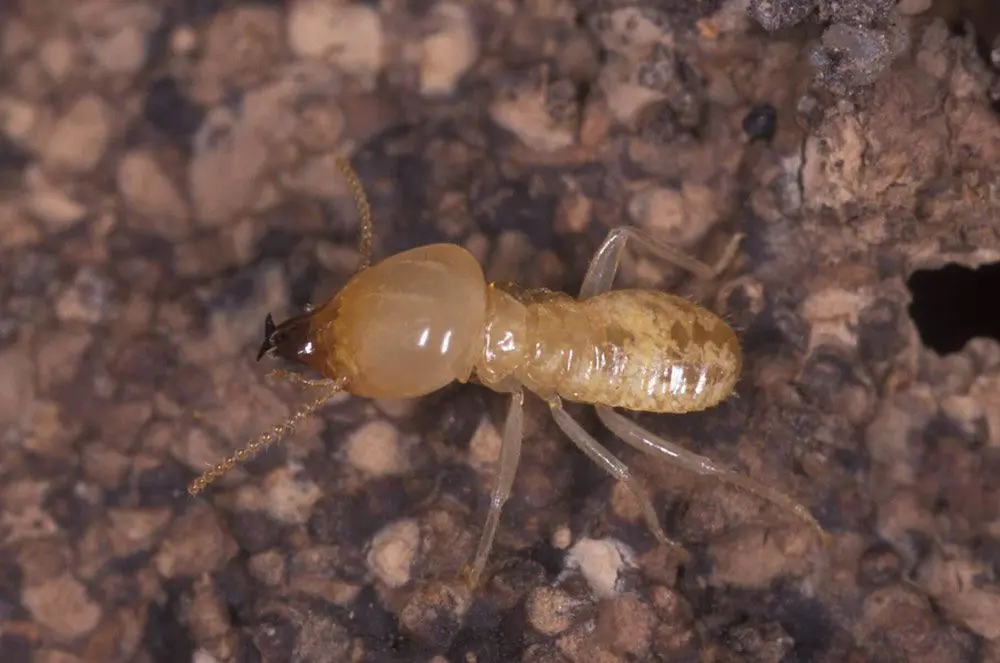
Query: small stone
149,192
59,356
435,611
104,466
133,530
43,559
238,51
61,605
208,618
525,112
484,447
224,174
601,561
753,558
681,218
183,40
268,567
290,499
17,385
48,203
80,137
449,51
625,625
194,544
913,7
551,611
574,212
116,34
17,119
562,537
966,589
393,551
321,639
57,57
87,299
202,656
348,36
374,449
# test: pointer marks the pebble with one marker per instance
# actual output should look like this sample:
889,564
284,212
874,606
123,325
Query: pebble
435,611
681,218
133,530
551,611
350,36
57,56
268,567
601,561
393,551
228,162
625,625
117,34
966,589
194,544
87,299
753,558
47,203
913,7
62,606
290,499
80,137
17,385
150,193
449,51
17,119
484,447
525,113
374,449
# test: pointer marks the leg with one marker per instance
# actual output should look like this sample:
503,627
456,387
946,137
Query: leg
296,379
364,211
612,466
510,454
604,264
656,446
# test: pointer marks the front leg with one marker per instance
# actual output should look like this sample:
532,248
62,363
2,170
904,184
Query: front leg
510,455
604,265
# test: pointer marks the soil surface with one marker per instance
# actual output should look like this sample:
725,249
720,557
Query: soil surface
167,178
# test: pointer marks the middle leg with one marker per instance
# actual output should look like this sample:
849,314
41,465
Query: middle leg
613,466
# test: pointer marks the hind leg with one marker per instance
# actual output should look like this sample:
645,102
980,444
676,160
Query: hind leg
654,445
604,264
613,466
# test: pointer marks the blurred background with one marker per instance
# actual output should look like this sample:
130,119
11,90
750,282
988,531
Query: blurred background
167,179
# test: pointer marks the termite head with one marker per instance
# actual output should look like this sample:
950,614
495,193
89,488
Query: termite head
291,340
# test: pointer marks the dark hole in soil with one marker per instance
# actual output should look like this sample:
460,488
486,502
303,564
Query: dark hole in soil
955,304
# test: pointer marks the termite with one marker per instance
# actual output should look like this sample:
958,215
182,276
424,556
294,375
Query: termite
421,319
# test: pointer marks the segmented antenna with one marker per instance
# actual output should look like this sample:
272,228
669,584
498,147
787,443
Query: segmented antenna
364,210
273,436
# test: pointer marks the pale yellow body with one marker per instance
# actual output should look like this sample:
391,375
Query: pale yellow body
421,319
633,349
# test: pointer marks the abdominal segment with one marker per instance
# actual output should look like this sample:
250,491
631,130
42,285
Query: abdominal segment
632,349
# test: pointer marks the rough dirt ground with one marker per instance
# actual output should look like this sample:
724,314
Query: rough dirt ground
165,181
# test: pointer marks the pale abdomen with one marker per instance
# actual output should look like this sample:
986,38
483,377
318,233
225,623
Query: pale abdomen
632,349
